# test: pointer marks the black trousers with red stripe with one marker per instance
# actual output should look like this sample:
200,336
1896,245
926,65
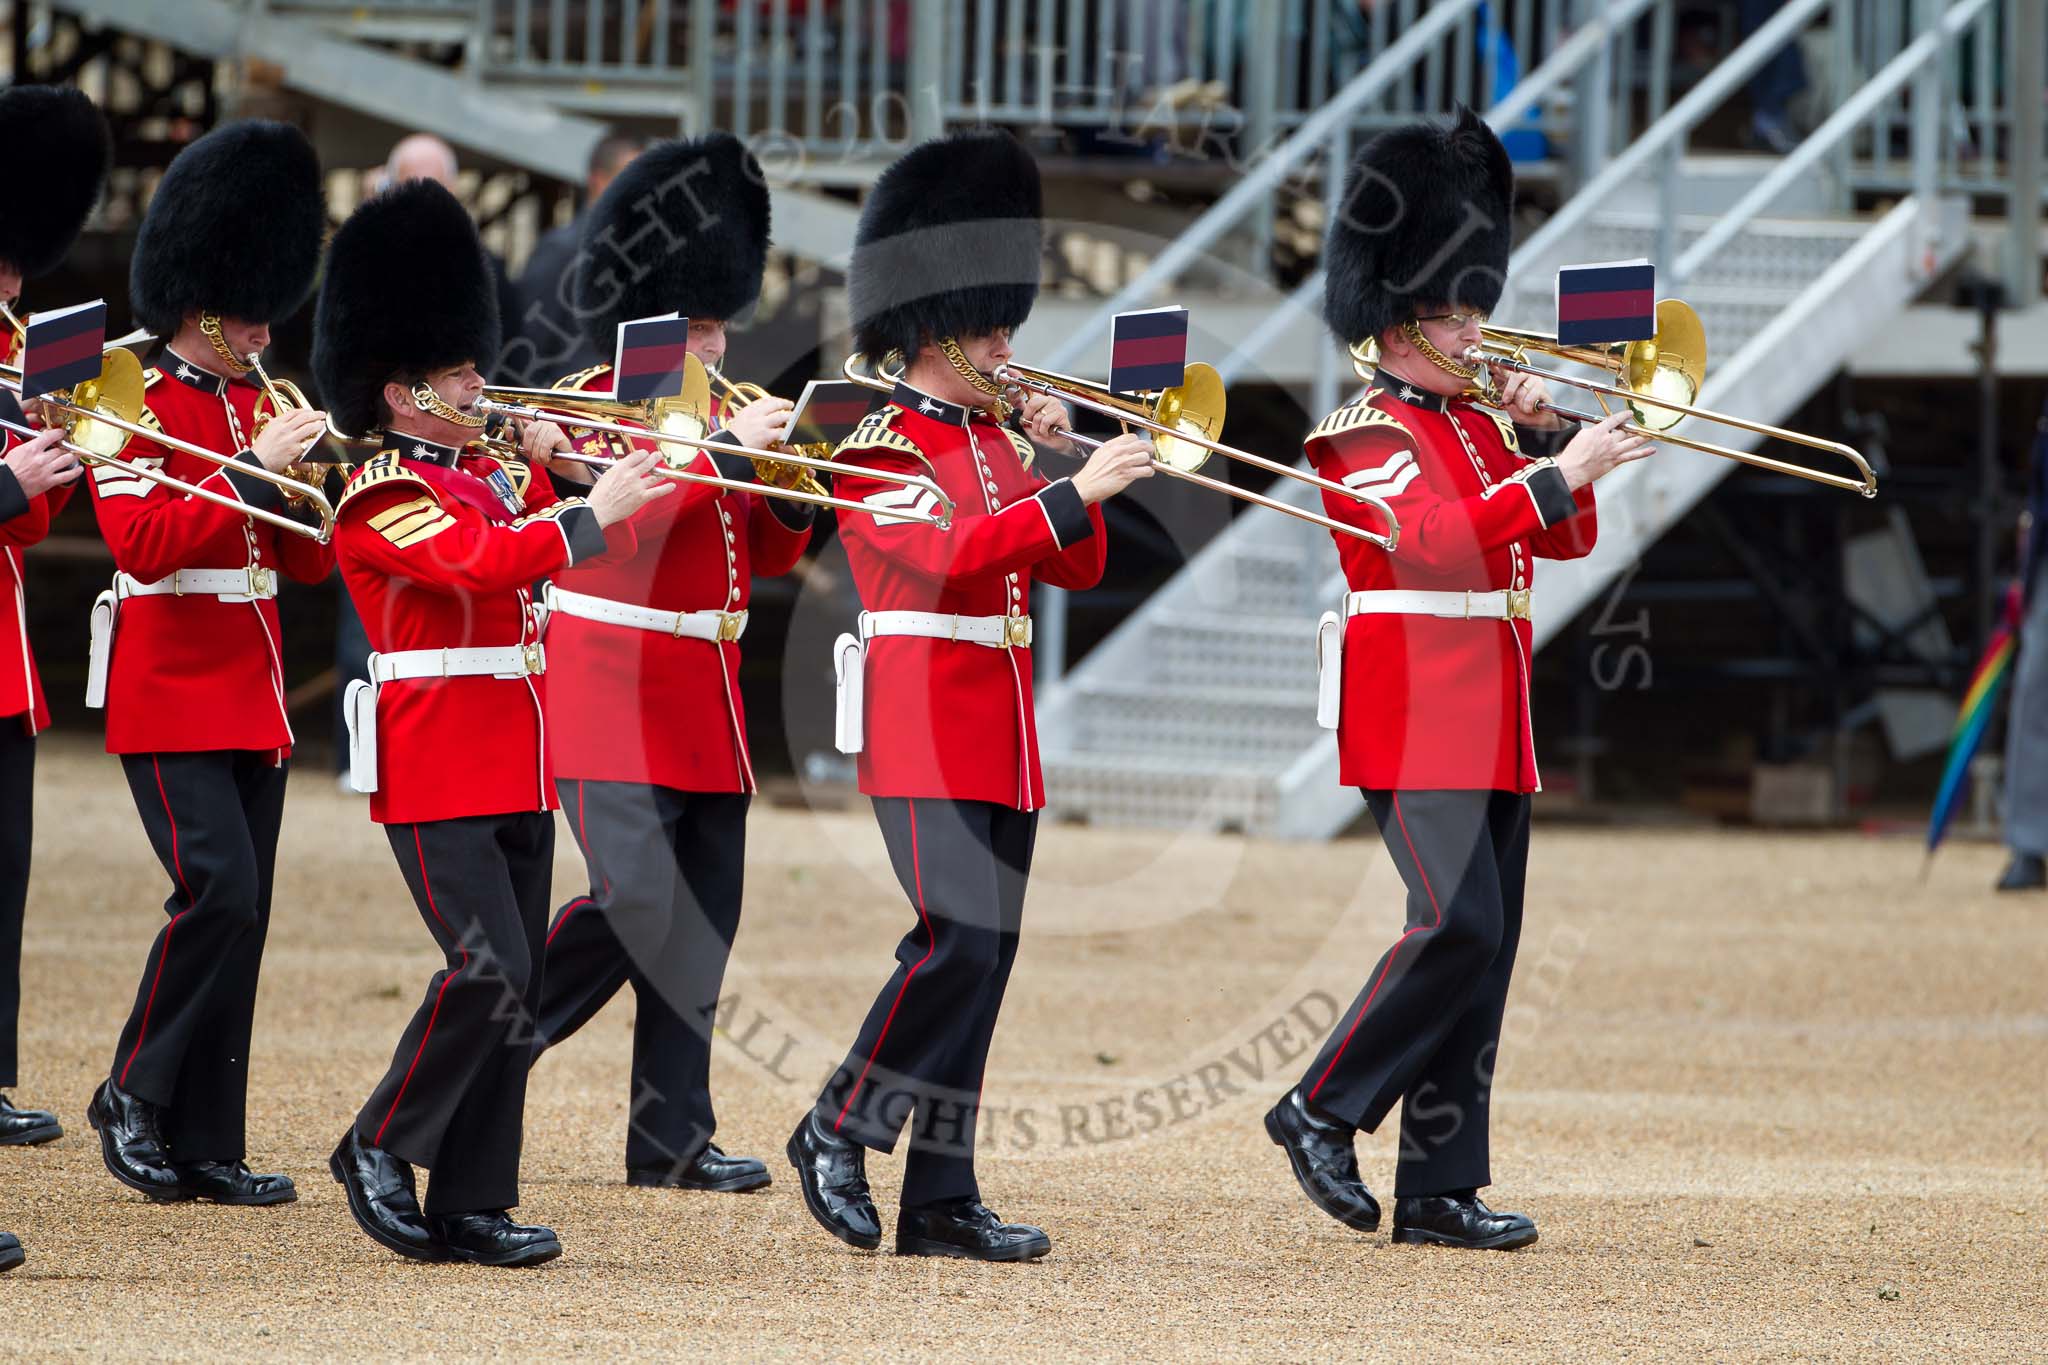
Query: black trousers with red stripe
212,818
1426,1028
666,874
454,1100
17,805
923,1048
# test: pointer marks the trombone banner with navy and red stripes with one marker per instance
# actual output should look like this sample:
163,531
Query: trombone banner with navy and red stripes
1148,350
63,348
1602,303
652,354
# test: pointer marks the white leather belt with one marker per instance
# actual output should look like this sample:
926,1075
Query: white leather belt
1505,604
686,625
229,585
359,706
996,632
253,583
849,656
1501,605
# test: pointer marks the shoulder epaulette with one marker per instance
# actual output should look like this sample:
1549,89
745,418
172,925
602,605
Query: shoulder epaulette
146,417
1354,416
1507,431
581,377
877,432
519,471
1026,452
383,470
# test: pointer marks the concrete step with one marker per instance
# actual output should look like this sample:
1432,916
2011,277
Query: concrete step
1122,790
1203,726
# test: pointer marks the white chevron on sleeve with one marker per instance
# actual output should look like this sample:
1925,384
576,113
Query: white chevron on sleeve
1385,480
919,502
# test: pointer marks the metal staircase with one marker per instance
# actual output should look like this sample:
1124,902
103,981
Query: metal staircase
1198,711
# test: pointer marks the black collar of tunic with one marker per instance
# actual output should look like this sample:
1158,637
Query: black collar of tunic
193,376
1401,391
911,398
420,449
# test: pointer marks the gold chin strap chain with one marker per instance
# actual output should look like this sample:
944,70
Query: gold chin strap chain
1413,331
209,327
426,400
1000,408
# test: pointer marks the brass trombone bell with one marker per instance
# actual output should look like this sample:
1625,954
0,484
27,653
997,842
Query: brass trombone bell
92,407
108,405
1670,366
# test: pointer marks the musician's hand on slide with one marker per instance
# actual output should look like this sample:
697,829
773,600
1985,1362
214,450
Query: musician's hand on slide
761,423
1114,467
43,463
1523,396
1044,417
1600,449
287,437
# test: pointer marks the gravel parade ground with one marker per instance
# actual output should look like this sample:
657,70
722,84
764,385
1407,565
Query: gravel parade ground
1767,1096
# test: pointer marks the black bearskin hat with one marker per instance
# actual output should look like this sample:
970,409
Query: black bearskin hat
948,244
683,229
67,135
1427,220
407,291
233,229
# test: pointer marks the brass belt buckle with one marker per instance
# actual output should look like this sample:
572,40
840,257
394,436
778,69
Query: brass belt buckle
1016,632
259,581
729,623
1518,604
530,657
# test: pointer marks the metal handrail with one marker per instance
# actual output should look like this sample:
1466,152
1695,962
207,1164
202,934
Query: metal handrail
1254,189
1570,55
1659,138
1841,124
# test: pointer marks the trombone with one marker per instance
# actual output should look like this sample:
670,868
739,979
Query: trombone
1657,379
137,337
581,410
781,473
684,419
1182,421
100,419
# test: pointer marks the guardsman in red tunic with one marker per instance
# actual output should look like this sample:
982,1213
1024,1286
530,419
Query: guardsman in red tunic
440,546
644,713
936,689
187,658
37,226
1425,674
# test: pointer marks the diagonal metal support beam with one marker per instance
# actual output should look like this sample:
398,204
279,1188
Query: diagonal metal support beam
356,76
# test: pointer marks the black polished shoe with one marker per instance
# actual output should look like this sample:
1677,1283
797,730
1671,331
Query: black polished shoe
2026,872
11,1254
232,1182
1325,1164
968,1229
833,1174
1458,1221
132,1142
27,1127
382,1198
494,1239
710,1169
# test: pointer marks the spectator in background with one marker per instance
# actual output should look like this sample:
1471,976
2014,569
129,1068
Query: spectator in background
544,339
1775,83
2026,724
422,156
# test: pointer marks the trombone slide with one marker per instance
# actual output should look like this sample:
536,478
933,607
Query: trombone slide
942,518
